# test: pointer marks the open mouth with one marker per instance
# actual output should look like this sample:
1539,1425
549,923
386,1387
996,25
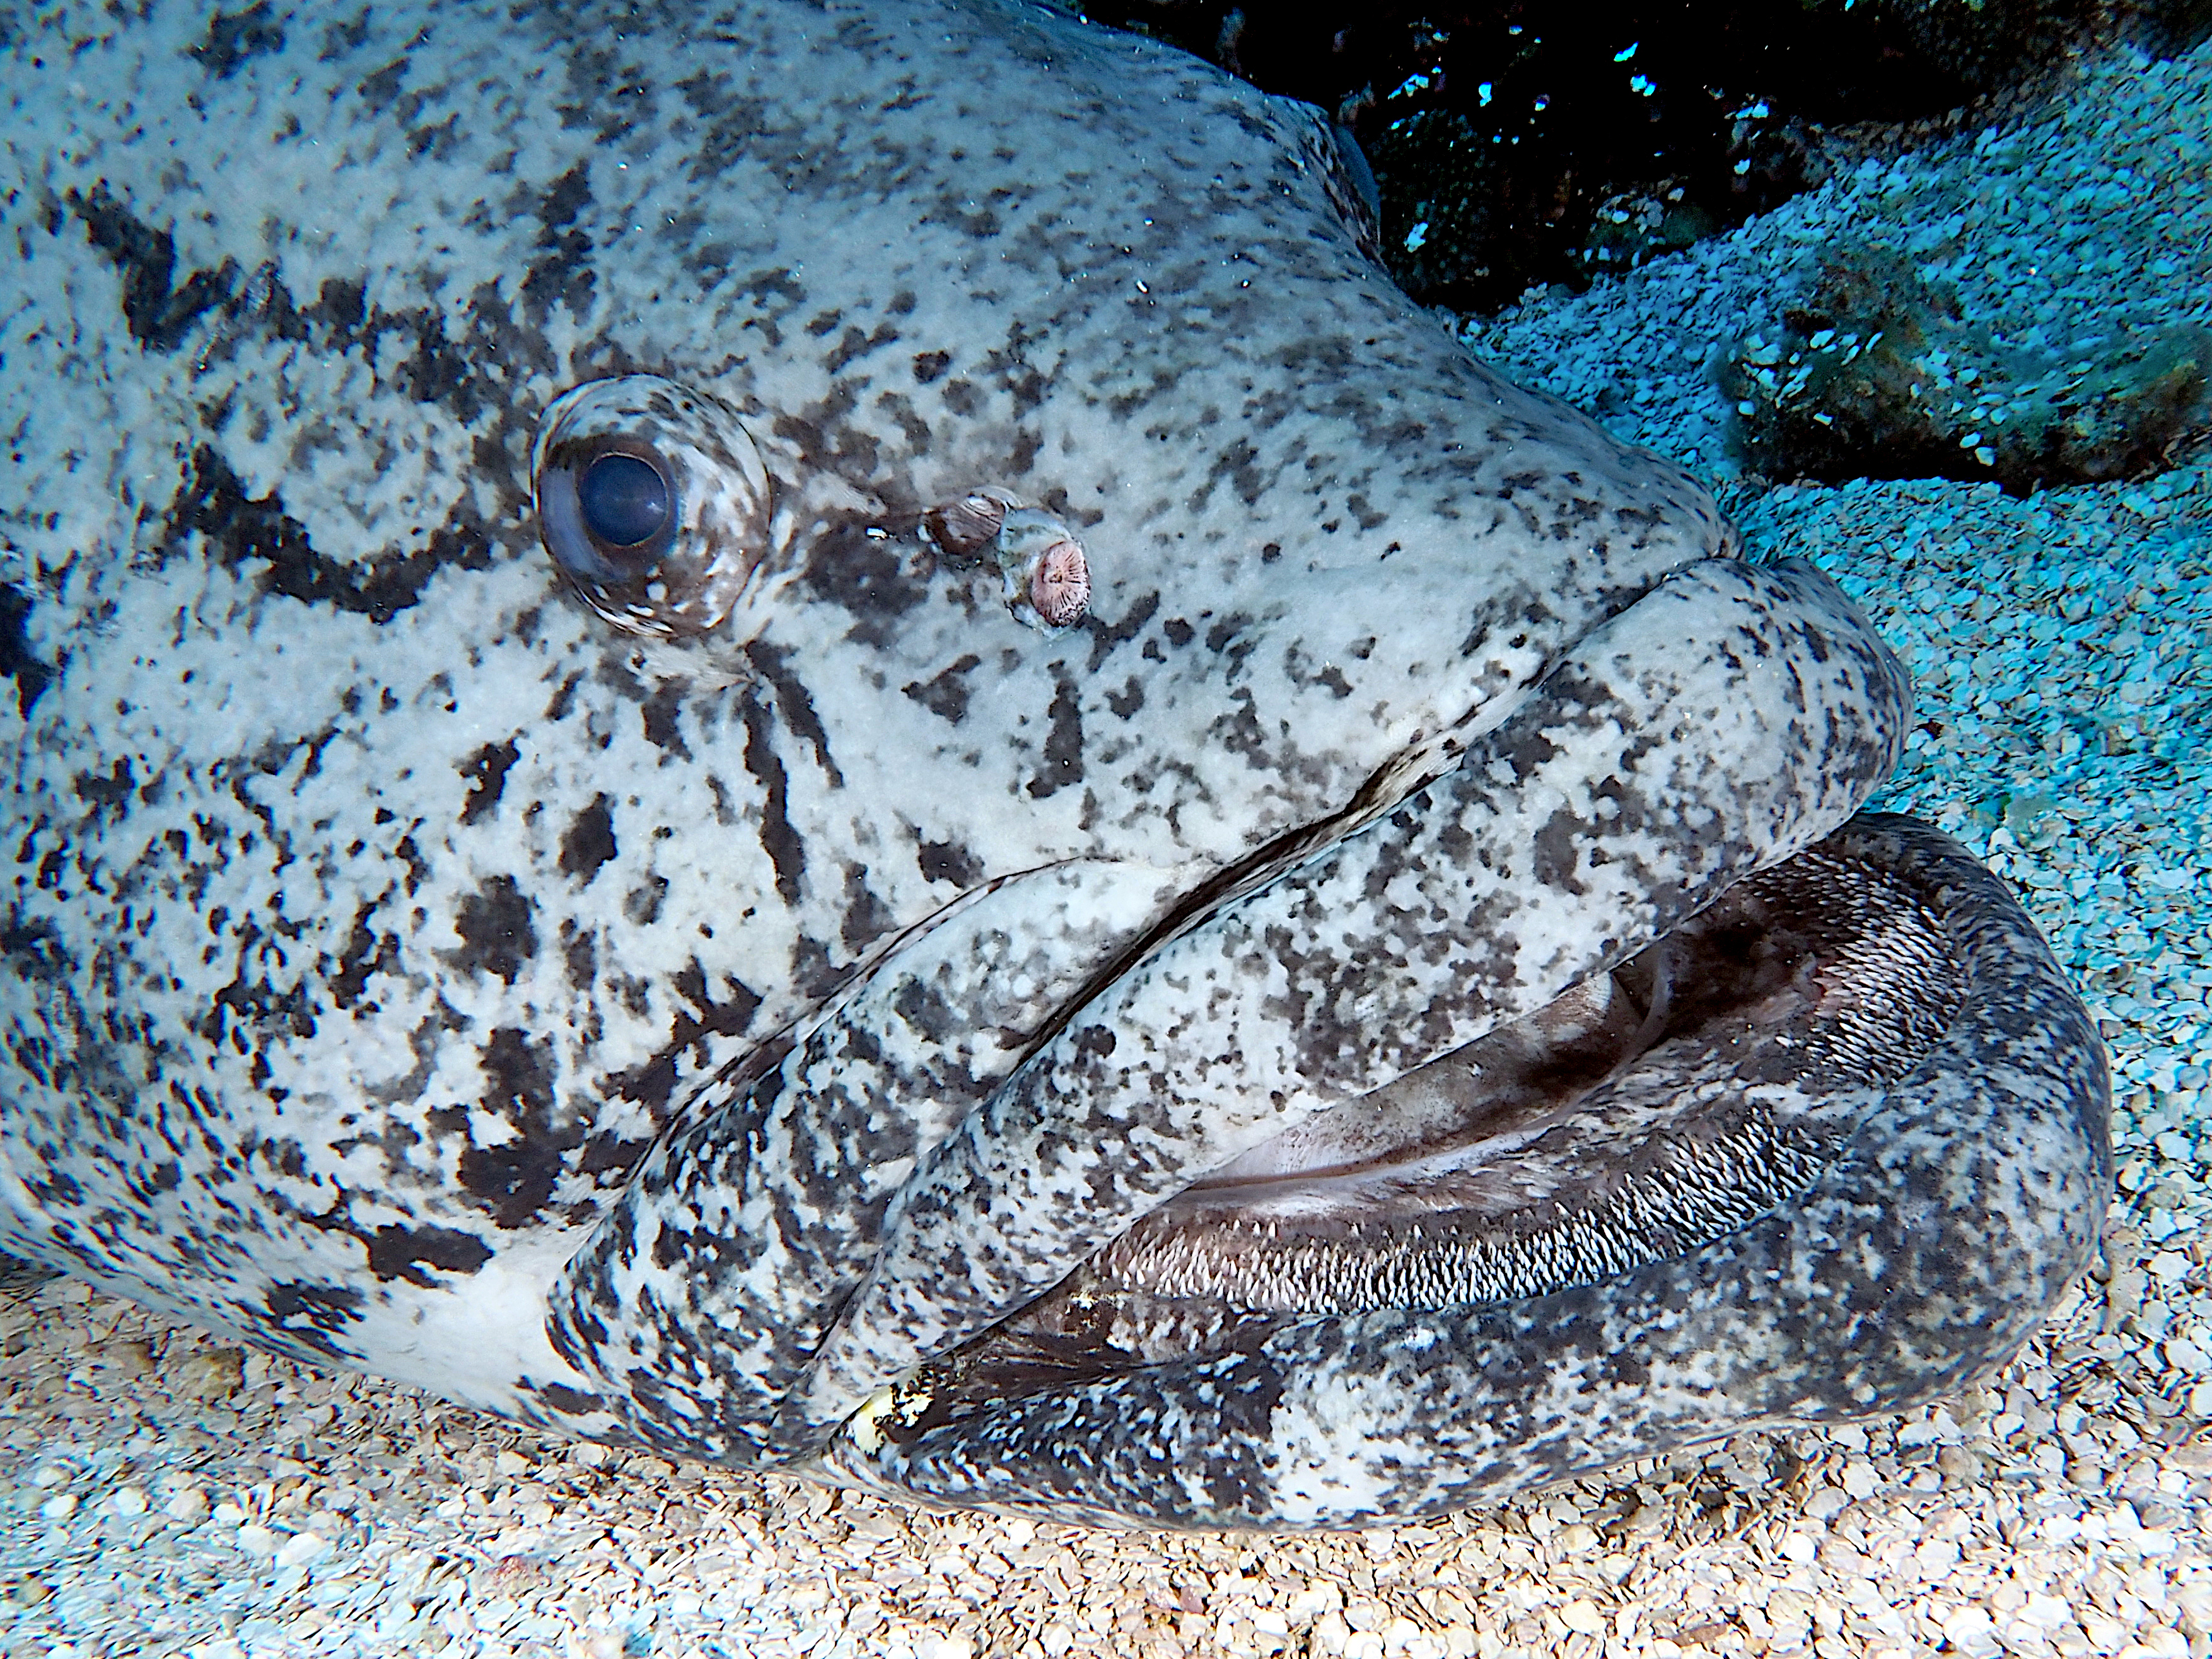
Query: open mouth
1640,1116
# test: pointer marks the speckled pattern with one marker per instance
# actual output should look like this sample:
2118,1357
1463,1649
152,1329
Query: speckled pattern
401,958
1966,1199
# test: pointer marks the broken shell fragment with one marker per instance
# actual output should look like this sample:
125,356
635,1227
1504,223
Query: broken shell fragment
1047,580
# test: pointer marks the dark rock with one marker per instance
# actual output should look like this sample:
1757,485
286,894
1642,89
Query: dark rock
1872,373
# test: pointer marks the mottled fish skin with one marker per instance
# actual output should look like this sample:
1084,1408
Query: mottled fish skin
1969,1195
673,1039
1611,828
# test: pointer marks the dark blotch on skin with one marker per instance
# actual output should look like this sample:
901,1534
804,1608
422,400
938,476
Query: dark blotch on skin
235,37
34,950
581,952
340,305
441,369
948,860
515,1179
407,1252
946,694
641,904
158,312
255,1007
496,936
342,39
212,503
726,1018
589,844
778,839
796,704
571,1403
869,579
563,275
926,1012
107,792
867,918
855,344
663,714
379,89
1107,637
365,953
1063,744
486,770
323,1309
31,675
652,1083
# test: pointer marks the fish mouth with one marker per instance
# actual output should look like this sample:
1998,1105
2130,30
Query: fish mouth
1639,1117
1605,1097
1850,1152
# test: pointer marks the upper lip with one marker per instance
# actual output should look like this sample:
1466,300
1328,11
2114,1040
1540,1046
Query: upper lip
1317,988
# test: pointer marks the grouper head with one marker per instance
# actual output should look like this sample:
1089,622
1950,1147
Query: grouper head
820,737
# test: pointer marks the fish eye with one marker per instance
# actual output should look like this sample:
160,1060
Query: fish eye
607,511
625,500
652,502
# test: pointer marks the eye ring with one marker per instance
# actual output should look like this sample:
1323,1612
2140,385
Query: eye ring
652,501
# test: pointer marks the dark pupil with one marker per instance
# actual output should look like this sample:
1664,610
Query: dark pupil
625,501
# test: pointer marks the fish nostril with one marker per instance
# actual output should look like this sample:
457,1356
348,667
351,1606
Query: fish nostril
966,527
1047,576
624,500
1060,584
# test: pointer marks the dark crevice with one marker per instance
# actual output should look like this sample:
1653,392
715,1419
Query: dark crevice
1515,143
